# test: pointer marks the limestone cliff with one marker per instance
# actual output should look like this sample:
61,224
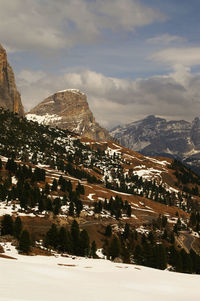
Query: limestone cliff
9,96
69,109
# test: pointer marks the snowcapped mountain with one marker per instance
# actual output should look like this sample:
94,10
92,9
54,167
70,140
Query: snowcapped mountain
68,109
157,136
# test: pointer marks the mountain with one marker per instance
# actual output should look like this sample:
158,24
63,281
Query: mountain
9,96
74,194
157,136
69,109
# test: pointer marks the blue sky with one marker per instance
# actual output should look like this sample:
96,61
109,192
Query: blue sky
132,58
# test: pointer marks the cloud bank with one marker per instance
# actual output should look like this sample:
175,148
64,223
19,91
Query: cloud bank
116,101
49,25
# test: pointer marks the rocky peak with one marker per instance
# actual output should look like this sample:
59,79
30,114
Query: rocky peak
68,109
9,96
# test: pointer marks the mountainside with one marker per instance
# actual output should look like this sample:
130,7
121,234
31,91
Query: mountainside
75,195
9,96
69,109
157,136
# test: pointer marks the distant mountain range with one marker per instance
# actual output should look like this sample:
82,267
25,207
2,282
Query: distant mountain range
158,137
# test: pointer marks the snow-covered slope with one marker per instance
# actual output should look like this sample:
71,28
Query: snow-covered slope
40,278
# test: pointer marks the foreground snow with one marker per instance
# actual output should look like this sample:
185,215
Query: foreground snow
41,278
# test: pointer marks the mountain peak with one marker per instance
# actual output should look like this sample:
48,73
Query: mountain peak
69,109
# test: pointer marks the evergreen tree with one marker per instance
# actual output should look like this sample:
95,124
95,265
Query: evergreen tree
17,227
84,243
64,241
1,164
93,249
24,242
126,231
114,250
51,238
138,255
54,185
71,209
129,211
75,235
7,225
108,231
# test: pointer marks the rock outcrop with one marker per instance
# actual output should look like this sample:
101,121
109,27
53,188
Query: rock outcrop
68,109
9,96
158,137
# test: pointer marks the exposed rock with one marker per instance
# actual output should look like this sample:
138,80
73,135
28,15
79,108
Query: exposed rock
9,96
69,109
159,137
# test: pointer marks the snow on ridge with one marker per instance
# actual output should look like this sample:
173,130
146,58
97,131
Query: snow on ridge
43,119
76,91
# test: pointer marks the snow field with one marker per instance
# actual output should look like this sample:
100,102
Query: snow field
41,278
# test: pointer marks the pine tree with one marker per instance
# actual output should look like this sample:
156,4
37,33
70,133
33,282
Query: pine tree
114,250
17,227
64,241
129,211
51,238
7,225
84,243
138,255
108,231
54,185
94,249
25,242
71,209
75,235
126,231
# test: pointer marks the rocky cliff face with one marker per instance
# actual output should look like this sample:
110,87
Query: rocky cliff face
69,109
9,96
157,136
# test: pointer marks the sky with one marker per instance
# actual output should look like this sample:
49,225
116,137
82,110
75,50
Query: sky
132,58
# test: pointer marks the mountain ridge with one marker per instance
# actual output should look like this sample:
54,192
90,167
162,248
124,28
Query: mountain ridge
157,136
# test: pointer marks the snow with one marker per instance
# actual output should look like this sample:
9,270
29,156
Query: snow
40,278
43,119
147,173
90,196
4,159
76,91
14,180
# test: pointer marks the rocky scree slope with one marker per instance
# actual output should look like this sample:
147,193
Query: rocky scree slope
158,137
69,109
9,96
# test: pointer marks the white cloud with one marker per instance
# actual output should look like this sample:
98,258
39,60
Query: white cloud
115,101
50,25
185,56
166,39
